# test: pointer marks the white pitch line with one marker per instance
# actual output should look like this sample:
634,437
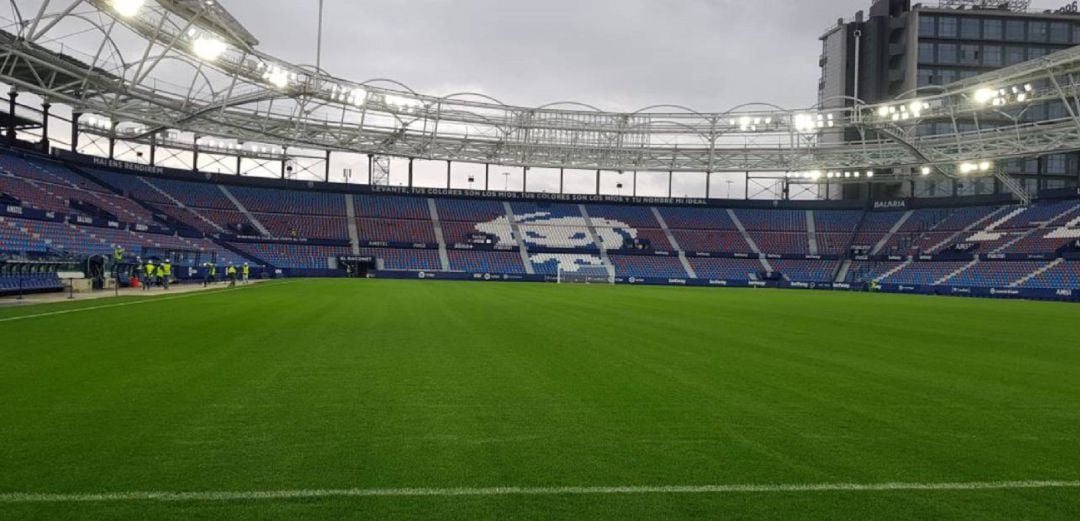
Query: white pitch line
22,497
121,304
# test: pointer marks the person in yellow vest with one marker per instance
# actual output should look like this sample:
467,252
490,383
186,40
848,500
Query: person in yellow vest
246,272
166,273
151,272
230,272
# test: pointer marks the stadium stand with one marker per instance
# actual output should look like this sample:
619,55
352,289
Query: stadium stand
197,218
726,269
486,262
806,270
647,266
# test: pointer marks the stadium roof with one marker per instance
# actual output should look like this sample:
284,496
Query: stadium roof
233,90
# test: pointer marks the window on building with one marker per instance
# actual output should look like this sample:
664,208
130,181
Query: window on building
926,53
969,54
946,53
1075,34
1056,110
926,77
1055,164
947,27
970,28
927,26
1014,31
993,30
1037,31
1014,55
1059,32
992,55
947,76
1036,52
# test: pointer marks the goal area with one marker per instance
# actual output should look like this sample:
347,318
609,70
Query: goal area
585,274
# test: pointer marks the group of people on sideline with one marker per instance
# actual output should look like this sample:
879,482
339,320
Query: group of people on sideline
232,274
153,273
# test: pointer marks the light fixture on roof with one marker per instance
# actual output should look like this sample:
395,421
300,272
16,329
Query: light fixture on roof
925,170
127,8
208,48
985,95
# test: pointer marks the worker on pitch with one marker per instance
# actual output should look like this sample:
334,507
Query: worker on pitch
166,273
230,272
150,272
246,272
210,276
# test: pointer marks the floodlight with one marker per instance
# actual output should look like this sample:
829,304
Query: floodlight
926,170
127,8
208,48
869,173
803,122
985,166
984,95
883,111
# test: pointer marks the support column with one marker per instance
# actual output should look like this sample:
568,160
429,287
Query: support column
11,116
153,148
239,165
562,173
370,175
45,125
635,184
327,166
746,188
195,154
487,175
410,171
708,184
670,176
598,182
449,165
524,179
112,139
75,130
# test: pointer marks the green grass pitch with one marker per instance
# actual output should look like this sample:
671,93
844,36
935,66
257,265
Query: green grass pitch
365,385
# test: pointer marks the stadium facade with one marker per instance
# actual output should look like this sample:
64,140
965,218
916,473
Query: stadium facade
899,49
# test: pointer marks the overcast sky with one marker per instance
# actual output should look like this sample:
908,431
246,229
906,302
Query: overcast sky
616,54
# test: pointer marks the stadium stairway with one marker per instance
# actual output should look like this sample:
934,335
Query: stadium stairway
177,202
1049,266
596,240
952,275
240,206
516,230
842,271
811,233
674,243
892,232
749,240
444,258
900,267
354,232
